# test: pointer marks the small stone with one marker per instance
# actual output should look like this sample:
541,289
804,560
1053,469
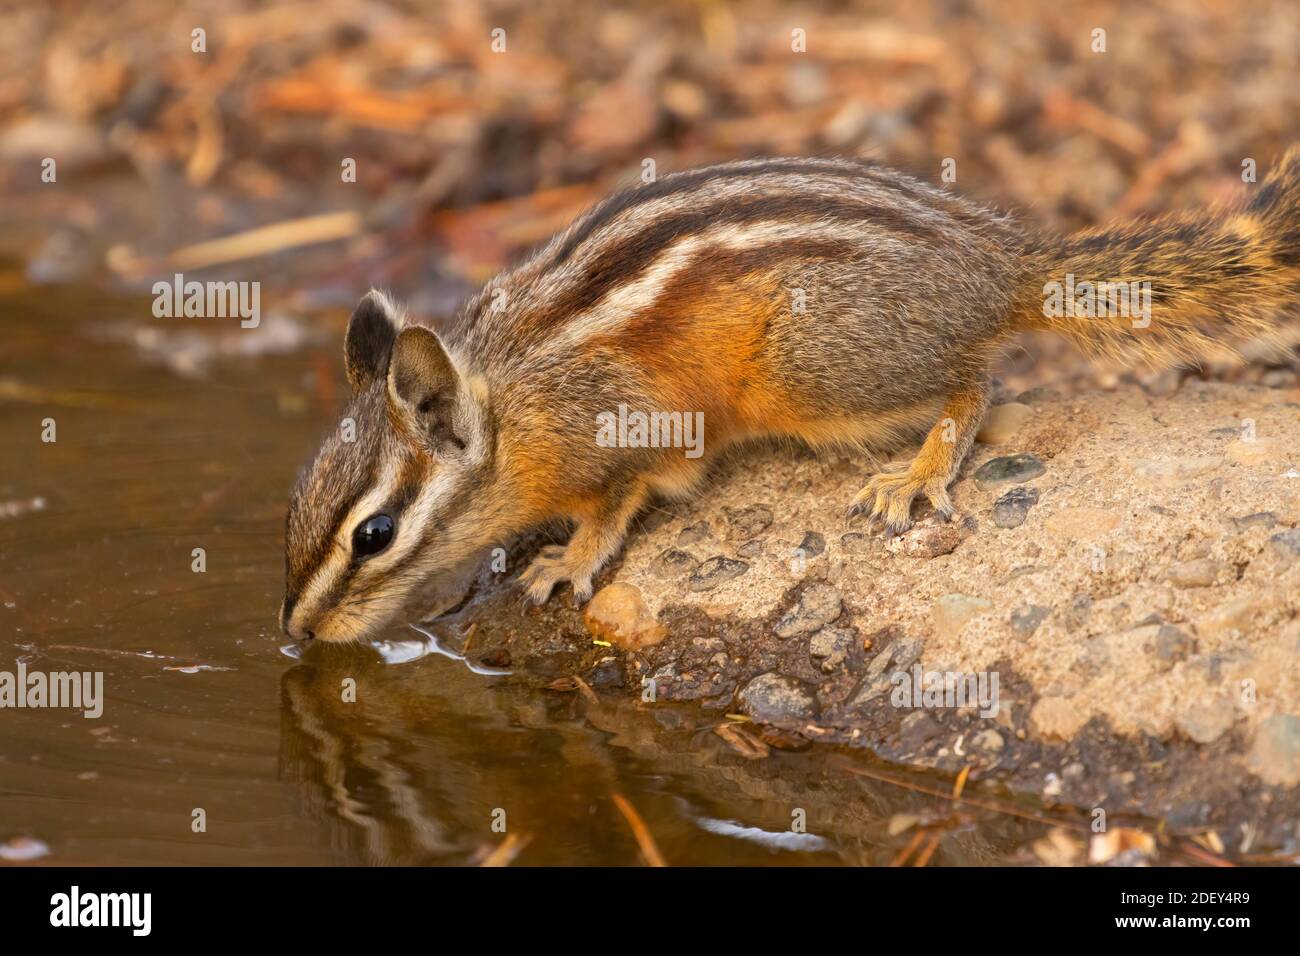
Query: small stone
1286,544
1057,717
952,611
1206,721
1012,508
855,542
770,698
693,534
715,571
747,522
1026,620
1009,469
608,674
988,740
672,564
917,728
1201,573
931,541
818,605
1235,615
750,549
1003,422
830,646
1172,644
1275,755
619,615
1260,519
1081,524
1041,393
812,544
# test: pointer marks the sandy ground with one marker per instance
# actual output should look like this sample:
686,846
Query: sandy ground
1126,565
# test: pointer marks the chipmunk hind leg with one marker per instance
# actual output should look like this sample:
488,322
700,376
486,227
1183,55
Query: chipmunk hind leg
888,496
601,526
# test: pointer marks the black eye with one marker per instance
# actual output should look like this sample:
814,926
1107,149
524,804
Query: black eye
372,536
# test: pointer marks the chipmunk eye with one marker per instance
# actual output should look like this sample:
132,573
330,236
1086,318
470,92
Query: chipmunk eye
372,536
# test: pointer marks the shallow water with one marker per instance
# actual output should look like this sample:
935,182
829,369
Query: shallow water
175,435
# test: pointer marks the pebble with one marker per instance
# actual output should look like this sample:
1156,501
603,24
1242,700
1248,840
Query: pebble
812,544
1026,620
930,541
1205,721
769,698
693,534
1275,755
1009,469
747,522
716,570
1012,508
988,740
750,549
1201,573
1003,422
917,728
618,614
1286,544
855,542
1260,519
1057,717
672,563
830,646
1172,644
818,605
952,611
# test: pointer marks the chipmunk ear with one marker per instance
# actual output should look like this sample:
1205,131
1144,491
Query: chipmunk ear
372,330
424,385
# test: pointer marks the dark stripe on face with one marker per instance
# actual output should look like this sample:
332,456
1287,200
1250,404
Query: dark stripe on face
409,482
611,208
625,262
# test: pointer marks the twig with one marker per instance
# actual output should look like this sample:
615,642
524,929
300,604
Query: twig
639,830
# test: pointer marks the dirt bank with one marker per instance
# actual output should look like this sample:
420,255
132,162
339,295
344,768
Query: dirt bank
1125,566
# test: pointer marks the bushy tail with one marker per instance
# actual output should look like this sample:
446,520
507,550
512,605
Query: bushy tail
1181,288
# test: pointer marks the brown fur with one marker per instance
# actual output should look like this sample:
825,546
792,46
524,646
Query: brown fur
684,295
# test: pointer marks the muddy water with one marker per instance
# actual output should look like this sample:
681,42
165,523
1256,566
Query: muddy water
175,436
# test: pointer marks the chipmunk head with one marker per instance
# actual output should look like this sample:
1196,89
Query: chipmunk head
389,501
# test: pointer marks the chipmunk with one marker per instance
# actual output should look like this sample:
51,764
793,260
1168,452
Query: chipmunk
830,301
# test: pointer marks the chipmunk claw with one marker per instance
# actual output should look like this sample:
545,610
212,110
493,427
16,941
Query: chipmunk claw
541,576
887,498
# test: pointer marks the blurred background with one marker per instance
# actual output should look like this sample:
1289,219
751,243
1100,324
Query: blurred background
470,145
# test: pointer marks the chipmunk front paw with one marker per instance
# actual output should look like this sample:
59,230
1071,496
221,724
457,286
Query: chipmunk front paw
553,566
888,496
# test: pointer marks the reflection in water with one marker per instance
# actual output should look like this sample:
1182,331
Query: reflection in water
419,766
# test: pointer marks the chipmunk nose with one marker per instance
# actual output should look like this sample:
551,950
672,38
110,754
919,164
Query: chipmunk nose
297,632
